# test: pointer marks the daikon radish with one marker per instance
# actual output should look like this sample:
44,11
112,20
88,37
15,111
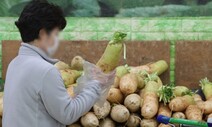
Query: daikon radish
179,104
128,83
139,69
116,82
197,98
206,88
148,123
133,121
120,71
89,120
164,110
156,67
141,83
150,105
193,112
133,102
141,93
180,115
205,106
70,76
111,56
77,63
150,98
61,65
102,112
115,96
107,123
181,91
119,113
151,87
164,125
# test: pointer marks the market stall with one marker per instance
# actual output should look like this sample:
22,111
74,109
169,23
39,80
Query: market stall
142,89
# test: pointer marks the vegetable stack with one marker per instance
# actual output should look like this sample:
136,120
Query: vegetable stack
137,95
132,101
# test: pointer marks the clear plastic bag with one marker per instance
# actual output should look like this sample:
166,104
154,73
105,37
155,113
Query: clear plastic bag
92,72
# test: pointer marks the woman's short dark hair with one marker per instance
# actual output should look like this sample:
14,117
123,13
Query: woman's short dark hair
37,15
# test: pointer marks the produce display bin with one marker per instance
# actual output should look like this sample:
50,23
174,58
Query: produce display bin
138,53
193,59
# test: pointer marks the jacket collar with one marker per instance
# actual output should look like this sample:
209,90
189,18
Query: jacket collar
27,49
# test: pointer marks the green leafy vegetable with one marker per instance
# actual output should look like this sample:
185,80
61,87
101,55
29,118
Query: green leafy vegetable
165,93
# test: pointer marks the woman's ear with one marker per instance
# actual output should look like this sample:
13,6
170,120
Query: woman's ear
42,34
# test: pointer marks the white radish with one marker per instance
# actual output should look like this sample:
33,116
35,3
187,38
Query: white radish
128,83
132,102
180,115
61,65
120,71
89,120
148,123
150,105
133,121
107,123
141,83
116,82
77,63
141,93
193,112
102,112
120,113
164,125
115,96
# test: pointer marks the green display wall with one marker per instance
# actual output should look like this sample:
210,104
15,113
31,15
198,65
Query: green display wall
170,29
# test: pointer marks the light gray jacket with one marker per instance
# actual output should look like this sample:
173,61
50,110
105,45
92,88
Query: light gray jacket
35,96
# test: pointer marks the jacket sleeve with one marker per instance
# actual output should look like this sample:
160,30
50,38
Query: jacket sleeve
60,105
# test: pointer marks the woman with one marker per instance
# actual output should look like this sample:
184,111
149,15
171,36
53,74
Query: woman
34,94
